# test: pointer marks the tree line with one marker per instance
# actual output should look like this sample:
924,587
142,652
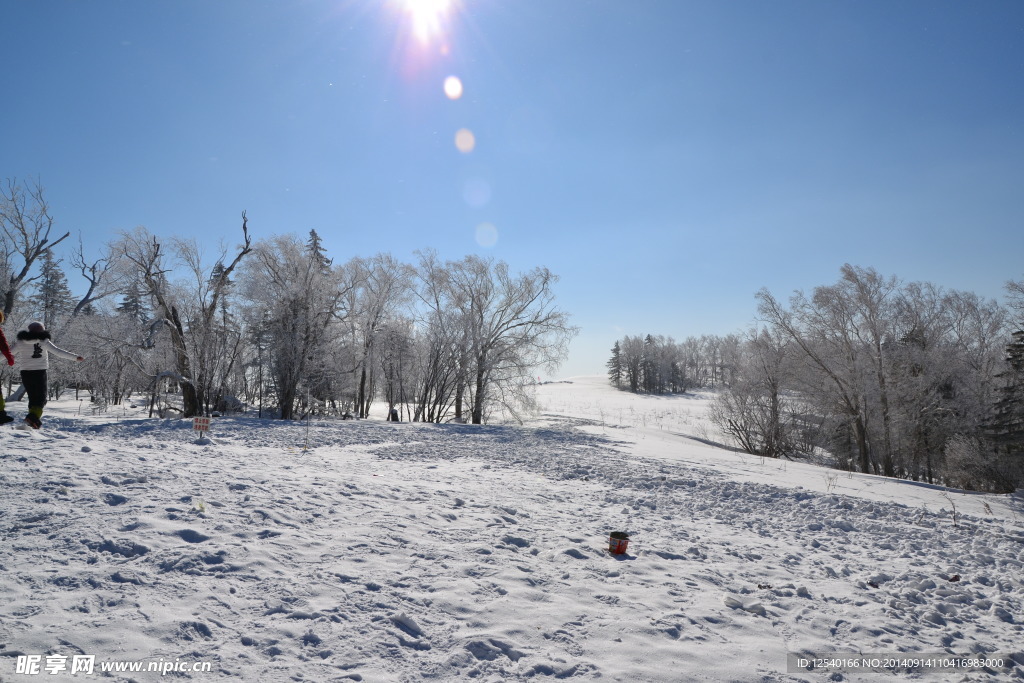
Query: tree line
276,324
655,364
888,377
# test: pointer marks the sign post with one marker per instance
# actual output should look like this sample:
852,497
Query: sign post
201,425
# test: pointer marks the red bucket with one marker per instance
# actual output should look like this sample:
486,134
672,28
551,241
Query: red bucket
618,541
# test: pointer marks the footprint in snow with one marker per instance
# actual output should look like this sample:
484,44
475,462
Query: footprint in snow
191,536
114,499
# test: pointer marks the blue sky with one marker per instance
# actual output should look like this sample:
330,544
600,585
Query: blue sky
666,158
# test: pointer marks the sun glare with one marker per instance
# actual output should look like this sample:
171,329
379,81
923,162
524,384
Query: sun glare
465,141
427,17
453,87
486,235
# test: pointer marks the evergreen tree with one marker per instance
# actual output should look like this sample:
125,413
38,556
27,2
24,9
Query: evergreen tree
317,252
134,305
53,300
650,366
615,366
677,376
1006,429
216,274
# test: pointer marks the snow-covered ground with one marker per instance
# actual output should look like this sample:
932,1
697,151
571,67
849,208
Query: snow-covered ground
375,551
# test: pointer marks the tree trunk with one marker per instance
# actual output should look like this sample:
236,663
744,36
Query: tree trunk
481,387
189,396
861,435
361,398
888,466
287,401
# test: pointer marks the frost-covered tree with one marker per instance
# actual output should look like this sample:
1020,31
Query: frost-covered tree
513,327
293,302
755,409
382,286
133,304
651,366
500,328
188,307
115,367
898,371
940,363
318,253
1005,429
397,359
26,228
440,344
657,364
1015,293
100,276
839,330
52,301
631,349
615,366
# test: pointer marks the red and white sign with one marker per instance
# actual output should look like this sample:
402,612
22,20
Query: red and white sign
201,424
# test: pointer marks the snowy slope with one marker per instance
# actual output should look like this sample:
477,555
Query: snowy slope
375,551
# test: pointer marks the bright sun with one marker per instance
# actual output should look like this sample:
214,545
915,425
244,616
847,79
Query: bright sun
427,16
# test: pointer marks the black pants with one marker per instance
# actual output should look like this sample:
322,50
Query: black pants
34,382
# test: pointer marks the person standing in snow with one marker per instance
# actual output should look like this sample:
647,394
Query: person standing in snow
32,350
6,350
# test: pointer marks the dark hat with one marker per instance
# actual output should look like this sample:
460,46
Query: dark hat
36,326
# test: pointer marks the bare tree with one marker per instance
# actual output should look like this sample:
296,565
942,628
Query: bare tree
899,370
1015,290
384,285
511,326
99,275
25,229
188,310
441,346
870,300
833,361
397,361
754,409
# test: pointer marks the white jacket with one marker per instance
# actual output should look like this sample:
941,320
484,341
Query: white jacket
32,352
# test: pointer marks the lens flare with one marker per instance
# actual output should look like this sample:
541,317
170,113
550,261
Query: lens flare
486,235
476,192
465,141
427,17
453,87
